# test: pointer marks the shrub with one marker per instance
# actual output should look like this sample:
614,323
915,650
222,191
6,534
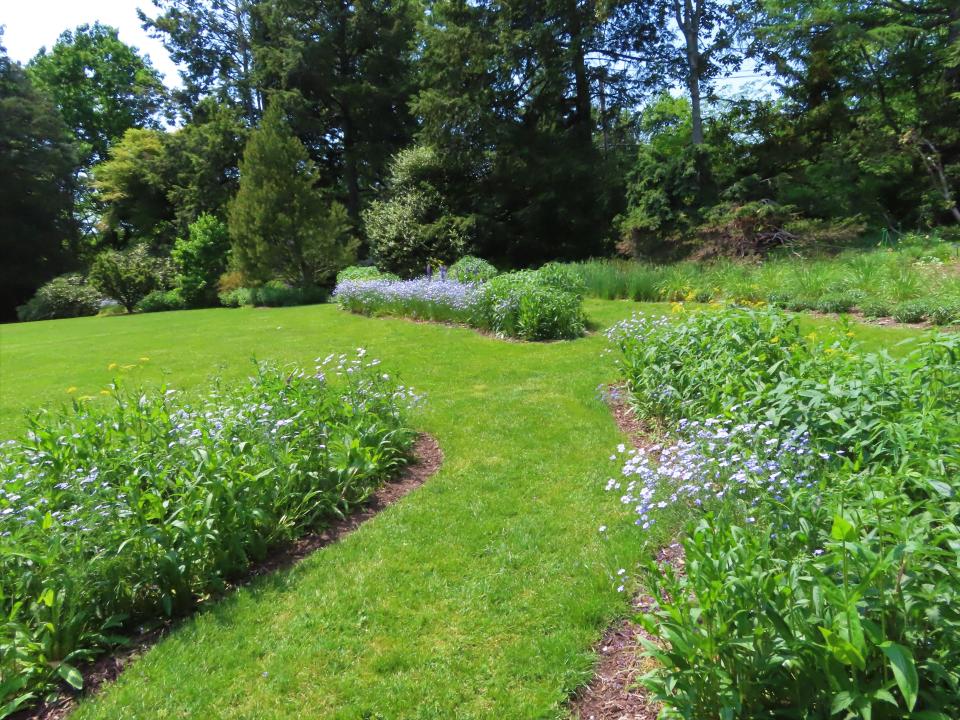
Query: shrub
238,297
201,259
63,297
128,276
284,296
364,272
136,507
562,277
273,294
521,305
231,280
838,303
946,313
413,225
911,311
874,308
472,269
162,300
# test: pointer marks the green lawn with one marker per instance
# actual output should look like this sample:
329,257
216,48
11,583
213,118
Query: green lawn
479,595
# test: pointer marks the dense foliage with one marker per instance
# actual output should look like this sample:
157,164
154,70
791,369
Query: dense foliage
63,297
821,566
531,305
128,276
912,284
521,132
280,224
127,509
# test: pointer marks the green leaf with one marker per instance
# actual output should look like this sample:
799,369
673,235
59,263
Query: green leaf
904,671
843,529
71,675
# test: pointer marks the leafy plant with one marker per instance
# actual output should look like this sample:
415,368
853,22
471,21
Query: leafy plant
133,508
472,269
201,259
128,276
62,297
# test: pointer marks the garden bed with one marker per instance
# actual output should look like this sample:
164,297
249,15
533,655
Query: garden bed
820,487
133,511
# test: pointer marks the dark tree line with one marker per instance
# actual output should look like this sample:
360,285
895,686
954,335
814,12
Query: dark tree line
518,130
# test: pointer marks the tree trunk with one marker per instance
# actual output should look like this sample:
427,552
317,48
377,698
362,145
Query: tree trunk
688,18
583,122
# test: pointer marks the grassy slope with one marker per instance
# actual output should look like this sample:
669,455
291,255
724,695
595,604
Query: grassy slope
477,596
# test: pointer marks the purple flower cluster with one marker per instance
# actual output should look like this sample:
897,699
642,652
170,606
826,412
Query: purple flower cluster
711,462
447,293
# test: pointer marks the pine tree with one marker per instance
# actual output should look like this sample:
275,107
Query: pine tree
281,227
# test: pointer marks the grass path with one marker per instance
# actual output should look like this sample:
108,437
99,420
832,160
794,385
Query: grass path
477,596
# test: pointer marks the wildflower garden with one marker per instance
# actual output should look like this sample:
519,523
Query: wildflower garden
446,360
806,466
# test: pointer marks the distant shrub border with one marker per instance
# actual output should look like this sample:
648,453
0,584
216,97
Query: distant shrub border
529,305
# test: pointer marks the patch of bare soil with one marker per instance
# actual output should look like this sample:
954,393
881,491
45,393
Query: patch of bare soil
615,692
427,458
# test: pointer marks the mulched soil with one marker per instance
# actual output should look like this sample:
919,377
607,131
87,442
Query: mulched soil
427,460
615,692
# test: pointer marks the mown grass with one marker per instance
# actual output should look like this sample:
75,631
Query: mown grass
477,596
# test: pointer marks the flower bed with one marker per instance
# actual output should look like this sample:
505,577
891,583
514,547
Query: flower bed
528,305
821,558
118,513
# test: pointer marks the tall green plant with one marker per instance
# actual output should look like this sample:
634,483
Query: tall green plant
281,225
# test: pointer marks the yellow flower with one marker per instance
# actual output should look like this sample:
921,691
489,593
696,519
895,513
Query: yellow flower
829,350
112,366
849,334
811,336
104,392
676,307
72,389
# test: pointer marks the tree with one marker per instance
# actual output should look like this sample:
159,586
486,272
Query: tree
281,225
132,187
101,85
870,95
696,43
200,259
128,276
154,184
214,40
347,71
38,160
412,225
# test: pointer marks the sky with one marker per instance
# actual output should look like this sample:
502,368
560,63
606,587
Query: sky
32,24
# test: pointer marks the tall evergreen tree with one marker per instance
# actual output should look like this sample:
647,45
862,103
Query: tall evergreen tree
38,160
346,68
281,225
213,40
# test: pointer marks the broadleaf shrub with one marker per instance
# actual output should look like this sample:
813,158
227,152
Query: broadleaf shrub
162,301
364,272
63,297
469,269
521,304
